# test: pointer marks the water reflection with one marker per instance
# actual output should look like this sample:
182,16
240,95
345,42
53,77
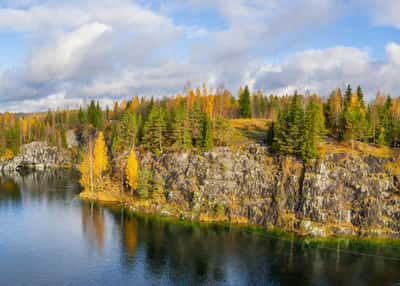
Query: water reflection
93,224
10,192
57,238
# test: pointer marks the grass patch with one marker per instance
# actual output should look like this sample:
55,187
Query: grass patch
246,131
359,149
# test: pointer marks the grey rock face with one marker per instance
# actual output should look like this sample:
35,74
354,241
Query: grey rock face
36,155
341,195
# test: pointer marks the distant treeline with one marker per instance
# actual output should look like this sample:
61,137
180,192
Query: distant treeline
199,118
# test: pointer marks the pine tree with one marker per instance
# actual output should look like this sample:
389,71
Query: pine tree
195,118
180,125
314,129
132,170
295,125
288,129
153,130
128,128
360,97
348,94
144,183
244,104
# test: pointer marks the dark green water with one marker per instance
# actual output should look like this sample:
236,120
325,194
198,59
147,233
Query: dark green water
48,237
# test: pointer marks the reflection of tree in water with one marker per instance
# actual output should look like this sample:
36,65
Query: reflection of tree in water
128,228
93,224
130,236
10,192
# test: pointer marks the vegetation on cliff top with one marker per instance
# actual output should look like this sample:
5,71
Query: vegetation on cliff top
304,126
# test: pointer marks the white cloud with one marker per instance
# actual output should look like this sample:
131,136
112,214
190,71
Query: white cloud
393,51
382,12
321,71
109,49
61,59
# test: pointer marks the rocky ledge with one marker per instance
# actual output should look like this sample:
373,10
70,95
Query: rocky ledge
343,194
36,156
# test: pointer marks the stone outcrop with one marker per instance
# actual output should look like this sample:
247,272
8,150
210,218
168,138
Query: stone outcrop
37,156
343,194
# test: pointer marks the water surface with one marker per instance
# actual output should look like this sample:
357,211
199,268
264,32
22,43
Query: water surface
49,237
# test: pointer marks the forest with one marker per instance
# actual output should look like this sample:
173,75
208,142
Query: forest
198,120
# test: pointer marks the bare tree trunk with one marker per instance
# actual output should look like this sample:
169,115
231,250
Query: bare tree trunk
91,164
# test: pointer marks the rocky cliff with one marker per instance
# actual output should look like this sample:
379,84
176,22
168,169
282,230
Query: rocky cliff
343,194
37,156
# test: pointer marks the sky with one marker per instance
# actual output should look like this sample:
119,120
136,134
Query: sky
63,54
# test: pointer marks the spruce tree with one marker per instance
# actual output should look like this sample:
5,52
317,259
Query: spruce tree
360,96
245,104
128,129
348,94
180,128
295,125
153,131
196,118
288,129
314,129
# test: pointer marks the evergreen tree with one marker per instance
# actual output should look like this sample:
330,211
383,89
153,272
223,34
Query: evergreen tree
81,116
128,128
180,128
360,97
144,183
295,125
244,104
153,130
288,129
270,134
195,118
348,94
94,114
207,133
314,129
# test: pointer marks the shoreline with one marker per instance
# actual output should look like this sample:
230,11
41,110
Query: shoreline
140,208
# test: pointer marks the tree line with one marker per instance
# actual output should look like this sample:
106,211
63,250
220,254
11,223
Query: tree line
199,118
108,138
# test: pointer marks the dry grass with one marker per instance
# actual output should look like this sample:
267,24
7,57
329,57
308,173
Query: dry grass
359,148
246,131
100,196
253,124
393,168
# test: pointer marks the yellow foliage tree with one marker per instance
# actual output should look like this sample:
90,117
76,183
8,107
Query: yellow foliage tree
100,157
134,103
7,155
132,170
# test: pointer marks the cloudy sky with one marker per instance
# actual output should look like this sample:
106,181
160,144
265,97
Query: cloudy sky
56,54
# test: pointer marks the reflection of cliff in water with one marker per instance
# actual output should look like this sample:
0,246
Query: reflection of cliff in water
10,192
194,254
46,185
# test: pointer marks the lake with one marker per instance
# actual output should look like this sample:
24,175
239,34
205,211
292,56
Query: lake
49,237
